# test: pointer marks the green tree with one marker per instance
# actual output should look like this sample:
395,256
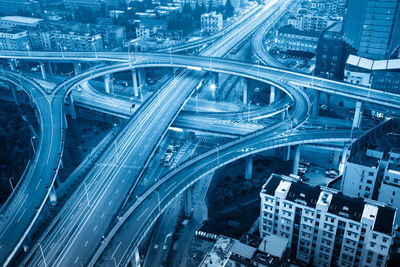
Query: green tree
229,9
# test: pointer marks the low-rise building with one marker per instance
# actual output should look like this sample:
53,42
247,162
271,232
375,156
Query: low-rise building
15,21
372,167
148,27
323,226
289,38
14,39
272,252
14,7
211,22
382,74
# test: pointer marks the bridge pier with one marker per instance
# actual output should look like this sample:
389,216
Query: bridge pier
43,70
72,107
53,196
107,81
358,115
135,262
13,66
272,94
316,104
141,77
296,160
286,153
335,157
188,203
14,93
50,68
135,83
77,68
249,167
244,85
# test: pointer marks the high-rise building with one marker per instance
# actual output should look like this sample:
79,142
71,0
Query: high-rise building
325,227
372,27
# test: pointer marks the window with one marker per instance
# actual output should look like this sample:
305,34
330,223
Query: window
371,174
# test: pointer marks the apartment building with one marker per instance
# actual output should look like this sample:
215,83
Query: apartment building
211,22
289,38
372,167
325,227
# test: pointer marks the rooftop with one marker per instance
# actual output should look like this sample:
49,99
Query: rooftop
369,64
289,29
338,204
20,19
384,137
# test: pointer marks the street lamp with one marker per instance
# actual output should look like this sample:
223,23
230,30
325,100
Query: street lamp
158,197
9,179
87,195
217,154
248,111
95,49
28,48
33,147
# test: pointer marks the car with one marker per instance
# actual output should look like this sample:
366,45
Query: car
156,246
305,179
305,162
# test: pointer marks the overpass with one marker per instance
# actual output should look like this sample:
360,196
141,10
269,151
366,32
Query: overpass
205,63
22,208
131,149
143,213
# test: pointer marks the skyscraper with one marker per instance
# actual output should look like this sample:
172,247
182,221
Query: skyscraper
372,27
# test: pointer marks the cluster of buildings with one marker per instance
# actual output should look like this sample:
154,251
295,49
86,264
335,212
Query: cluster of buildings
213,4
304,27
321,226
21,33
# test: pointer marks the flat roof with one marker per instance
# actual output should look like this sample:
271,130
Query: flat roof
369,64
20,19
384,216
303,192
274,245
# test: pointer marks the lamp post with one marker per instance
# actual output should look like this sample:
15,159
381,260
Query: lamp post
158,197
87,195
9,179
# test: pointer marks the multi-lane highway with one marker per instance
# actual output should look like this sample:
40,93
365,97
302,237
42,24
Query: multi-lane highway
84,217
208,63
20,211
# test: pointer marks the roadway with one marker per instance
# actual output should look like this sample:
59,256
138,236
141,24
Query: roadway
78,232
22,208
207,63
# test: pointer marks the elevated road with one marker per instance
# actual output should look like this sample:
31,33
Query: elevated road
222,65
79,230
140,217
22,208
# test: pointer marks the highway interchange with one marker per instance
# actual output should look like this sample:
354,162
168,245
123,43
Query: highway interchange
75,238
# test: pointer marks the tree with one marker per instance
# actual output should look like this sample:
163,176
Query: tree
229,9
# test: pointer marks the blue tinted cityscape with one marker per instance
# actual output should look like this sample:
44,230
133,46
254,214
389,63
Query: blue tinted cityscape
211,133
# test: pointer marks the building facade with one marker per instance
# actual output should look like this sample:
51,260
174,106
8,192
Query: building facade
372,167
325,227
12,39
211,22
289,38
372,27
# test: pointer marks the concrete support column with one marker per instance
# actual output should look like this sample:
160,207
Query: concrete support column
286,153
72,107
272,94
296,160
14,93
13,66
136,260
243,84
141,77
107,81
249,168
187,197
77,68
65,122
54,67
50,68
358,115
53,196
135,83
335,158
43,70
316,104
